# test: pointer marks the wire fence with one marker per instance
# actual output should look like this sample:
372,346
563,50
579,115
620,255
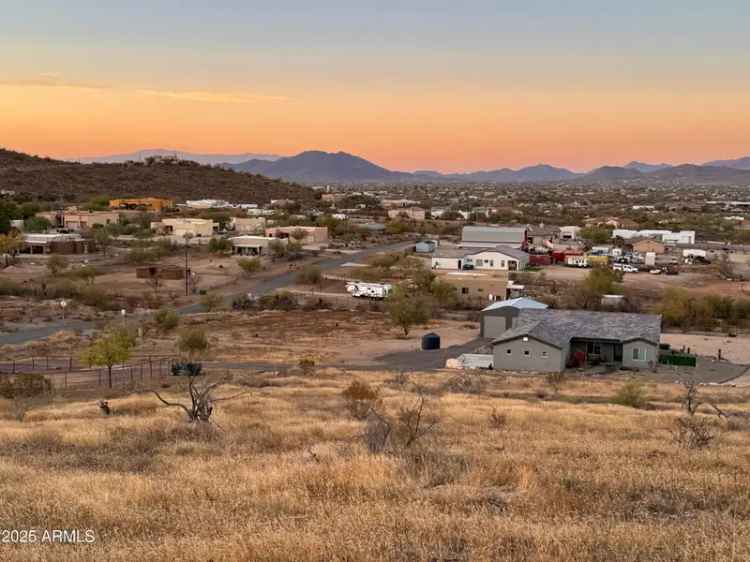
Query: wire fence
68,373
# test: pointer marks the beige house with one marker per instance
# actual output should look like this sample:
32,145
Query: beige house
313,234
249,224
477,288
251,245
73,219
649,245
181,227
413,213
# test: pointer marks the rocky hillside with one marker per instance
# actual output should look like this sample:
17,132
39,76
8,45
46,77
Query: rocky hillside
54,179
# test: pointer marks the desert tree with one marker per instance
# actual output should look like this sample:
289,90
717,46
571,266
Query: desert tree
10,244
56,264
112,348
406,310
193,342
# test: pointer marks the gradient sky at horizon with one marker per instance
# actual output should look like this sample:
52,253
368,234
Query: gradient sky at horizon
410,85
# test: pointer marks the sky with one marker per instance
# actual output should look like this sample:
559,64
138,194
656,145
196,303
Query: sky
409,84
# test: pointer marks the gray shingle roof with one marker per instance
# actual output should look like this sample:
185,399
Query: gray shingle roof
494,234
558,327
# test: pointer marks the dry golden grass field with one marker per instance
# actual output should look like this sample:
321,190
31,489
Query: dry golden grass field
509,470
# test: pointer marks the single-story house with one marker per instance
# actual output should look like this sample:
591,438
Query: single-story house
493,236
56,243
250,245
152,204
496,259
181,227
312,234
666,236
478,288
413,213
649,245
550,340
248,224
569,232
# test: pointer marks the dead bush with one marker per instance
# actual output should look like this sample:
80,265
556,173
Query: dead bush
498,420
556,381
632,394
468,382
26,391
400,432
693,432
360,398
307,366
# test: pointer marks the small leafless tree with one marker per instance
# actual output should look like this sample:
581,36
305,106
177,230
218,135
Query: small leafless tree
202,401
401,432
690,401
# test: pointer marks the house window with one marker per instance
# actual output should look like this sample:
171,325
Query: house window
508,352
492,263
526,353
464,291
637,355
502,264
544,354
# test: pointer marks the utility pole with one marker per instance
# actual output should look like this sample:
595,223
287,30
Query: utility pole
187,238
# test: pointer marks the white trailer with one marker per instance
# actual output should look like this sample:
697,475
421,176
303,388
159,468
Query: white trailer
576,261
369,290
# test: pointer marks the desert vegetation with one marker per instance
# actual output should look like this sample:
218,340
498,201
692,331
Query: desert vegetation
334,465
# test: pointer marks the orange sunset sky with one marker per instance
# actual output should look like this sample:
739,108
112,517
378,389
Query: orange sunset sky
432,86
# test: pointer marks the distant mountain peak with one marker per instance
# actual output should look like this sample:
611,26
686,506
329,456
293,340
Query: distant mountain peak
646,168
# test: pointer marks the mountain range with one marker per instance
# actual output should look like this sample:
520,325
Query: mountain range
316,166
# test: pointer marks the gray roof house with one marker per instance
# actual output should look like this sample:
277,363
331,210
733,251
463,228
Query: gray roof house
491,236
546,340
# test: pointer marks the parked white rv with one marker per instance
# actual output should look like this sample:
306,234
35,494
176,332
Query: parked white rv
368,290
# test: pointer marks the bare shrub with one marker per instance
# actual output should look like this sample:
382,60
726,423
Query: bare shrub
498,420
400,379
360,398
693,432
631,394
469,382
400,432
555,381
307,366
26,391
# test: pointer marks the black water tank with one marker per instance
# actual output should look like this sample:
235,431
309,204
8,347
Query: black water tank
430,341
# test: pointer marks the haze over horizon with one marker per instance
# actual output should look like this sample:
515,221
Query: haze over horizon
429,86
